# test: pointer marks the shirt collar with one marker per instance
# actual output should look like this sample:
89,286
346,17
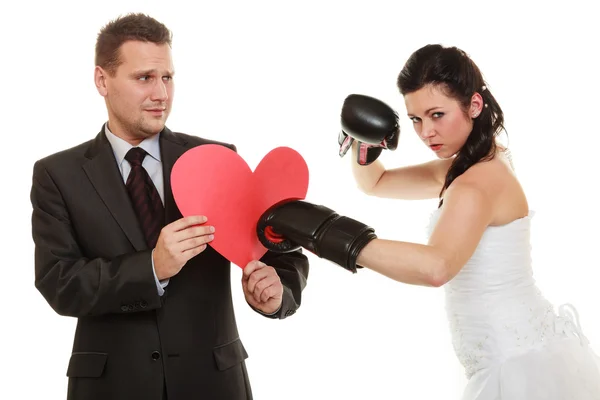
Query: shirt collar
121,147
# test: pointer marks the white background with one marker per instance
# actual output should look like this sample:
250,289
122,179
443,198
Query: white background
265,74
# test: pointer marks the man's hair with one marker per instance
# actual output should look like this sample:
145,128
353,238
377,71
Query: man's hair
134,26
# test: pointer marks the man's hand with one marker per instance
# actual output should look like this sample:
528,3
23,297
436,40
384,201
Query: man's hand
262,287
178,242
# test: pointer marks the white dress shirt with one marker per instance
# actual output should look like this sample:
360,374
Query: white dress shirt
153,165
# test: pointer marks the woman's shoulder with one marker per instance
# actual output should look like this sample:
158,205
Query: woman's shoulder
490,177
495,184
486,174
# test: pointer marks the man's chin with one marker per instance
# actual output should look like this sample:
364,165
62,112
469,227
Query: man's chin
151,128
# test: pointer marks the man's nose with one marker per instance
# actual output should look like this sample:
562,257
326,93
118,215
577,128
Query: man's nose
160,91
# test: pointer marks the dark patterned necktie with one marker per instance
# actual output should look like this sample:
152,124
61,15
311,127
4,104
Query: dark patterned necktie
144,197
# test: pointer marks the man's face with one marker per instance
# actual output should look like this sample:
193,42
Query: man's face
140,94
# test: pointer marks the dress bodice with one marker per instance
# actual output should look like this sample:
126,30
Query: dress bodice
494,308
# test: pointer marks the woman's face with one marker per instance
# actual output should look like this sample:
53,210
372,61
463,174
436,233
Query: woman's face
440,121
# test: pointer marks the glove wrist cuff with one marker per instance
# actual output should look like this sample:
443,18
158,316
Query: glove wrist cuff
343,241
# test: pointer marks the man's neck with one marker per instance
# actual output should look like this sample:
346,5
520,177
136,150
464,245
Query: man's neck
119,132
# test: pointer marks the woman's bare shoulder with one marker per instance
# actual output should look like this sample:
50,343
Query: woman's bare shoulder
499,186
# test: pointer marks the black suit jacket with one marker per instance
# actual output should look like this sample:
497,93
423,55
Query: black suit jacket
91,262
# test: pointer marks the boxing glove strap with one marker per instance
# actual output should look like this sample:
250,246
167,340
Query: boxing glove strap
342,239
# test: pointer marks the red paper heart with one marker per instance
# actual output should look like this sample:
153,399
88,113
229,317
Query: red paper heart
214,181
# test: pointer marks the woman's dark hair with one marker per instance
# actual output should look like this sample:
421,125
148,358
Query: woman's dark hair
451,70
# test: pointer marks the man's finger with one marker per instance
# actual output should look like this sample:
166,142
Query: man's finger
186,222
266,282
253,266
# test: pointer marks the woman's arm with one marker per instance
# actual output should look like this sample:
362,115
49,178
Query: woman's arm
466,213
414,182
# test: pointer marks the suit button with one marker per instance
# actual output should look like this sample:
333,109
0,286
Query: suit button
155,355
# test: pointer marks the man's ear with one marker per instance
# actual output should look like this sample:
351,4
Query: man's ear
100,76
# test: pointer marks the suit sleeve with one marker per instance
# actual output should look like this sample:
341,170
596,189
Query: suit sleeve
72,284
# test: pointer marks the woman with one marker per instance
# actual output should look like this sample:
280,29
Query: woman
505,333
507,336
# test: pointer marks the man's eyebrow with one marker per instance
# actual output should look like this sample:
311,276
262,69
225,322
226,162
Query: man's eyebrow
151,72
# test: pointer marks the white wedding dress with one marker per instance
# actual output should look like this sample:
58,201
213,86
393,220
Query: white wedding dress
511,341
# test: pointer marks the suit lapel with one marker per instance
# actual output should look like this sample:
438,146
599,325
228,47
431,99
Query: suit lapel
103,172
172,147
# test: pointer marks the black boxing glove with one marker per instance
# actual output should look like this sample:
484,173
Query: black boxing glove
318,229
372,123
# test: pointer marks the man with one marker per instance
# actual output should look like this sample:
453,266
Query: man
152,298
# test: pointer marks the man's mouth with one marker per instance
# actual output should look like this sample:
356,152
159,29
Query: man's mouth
156,111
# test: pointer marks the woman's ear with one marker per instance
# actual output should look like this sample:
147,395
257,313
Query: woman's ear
476,105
